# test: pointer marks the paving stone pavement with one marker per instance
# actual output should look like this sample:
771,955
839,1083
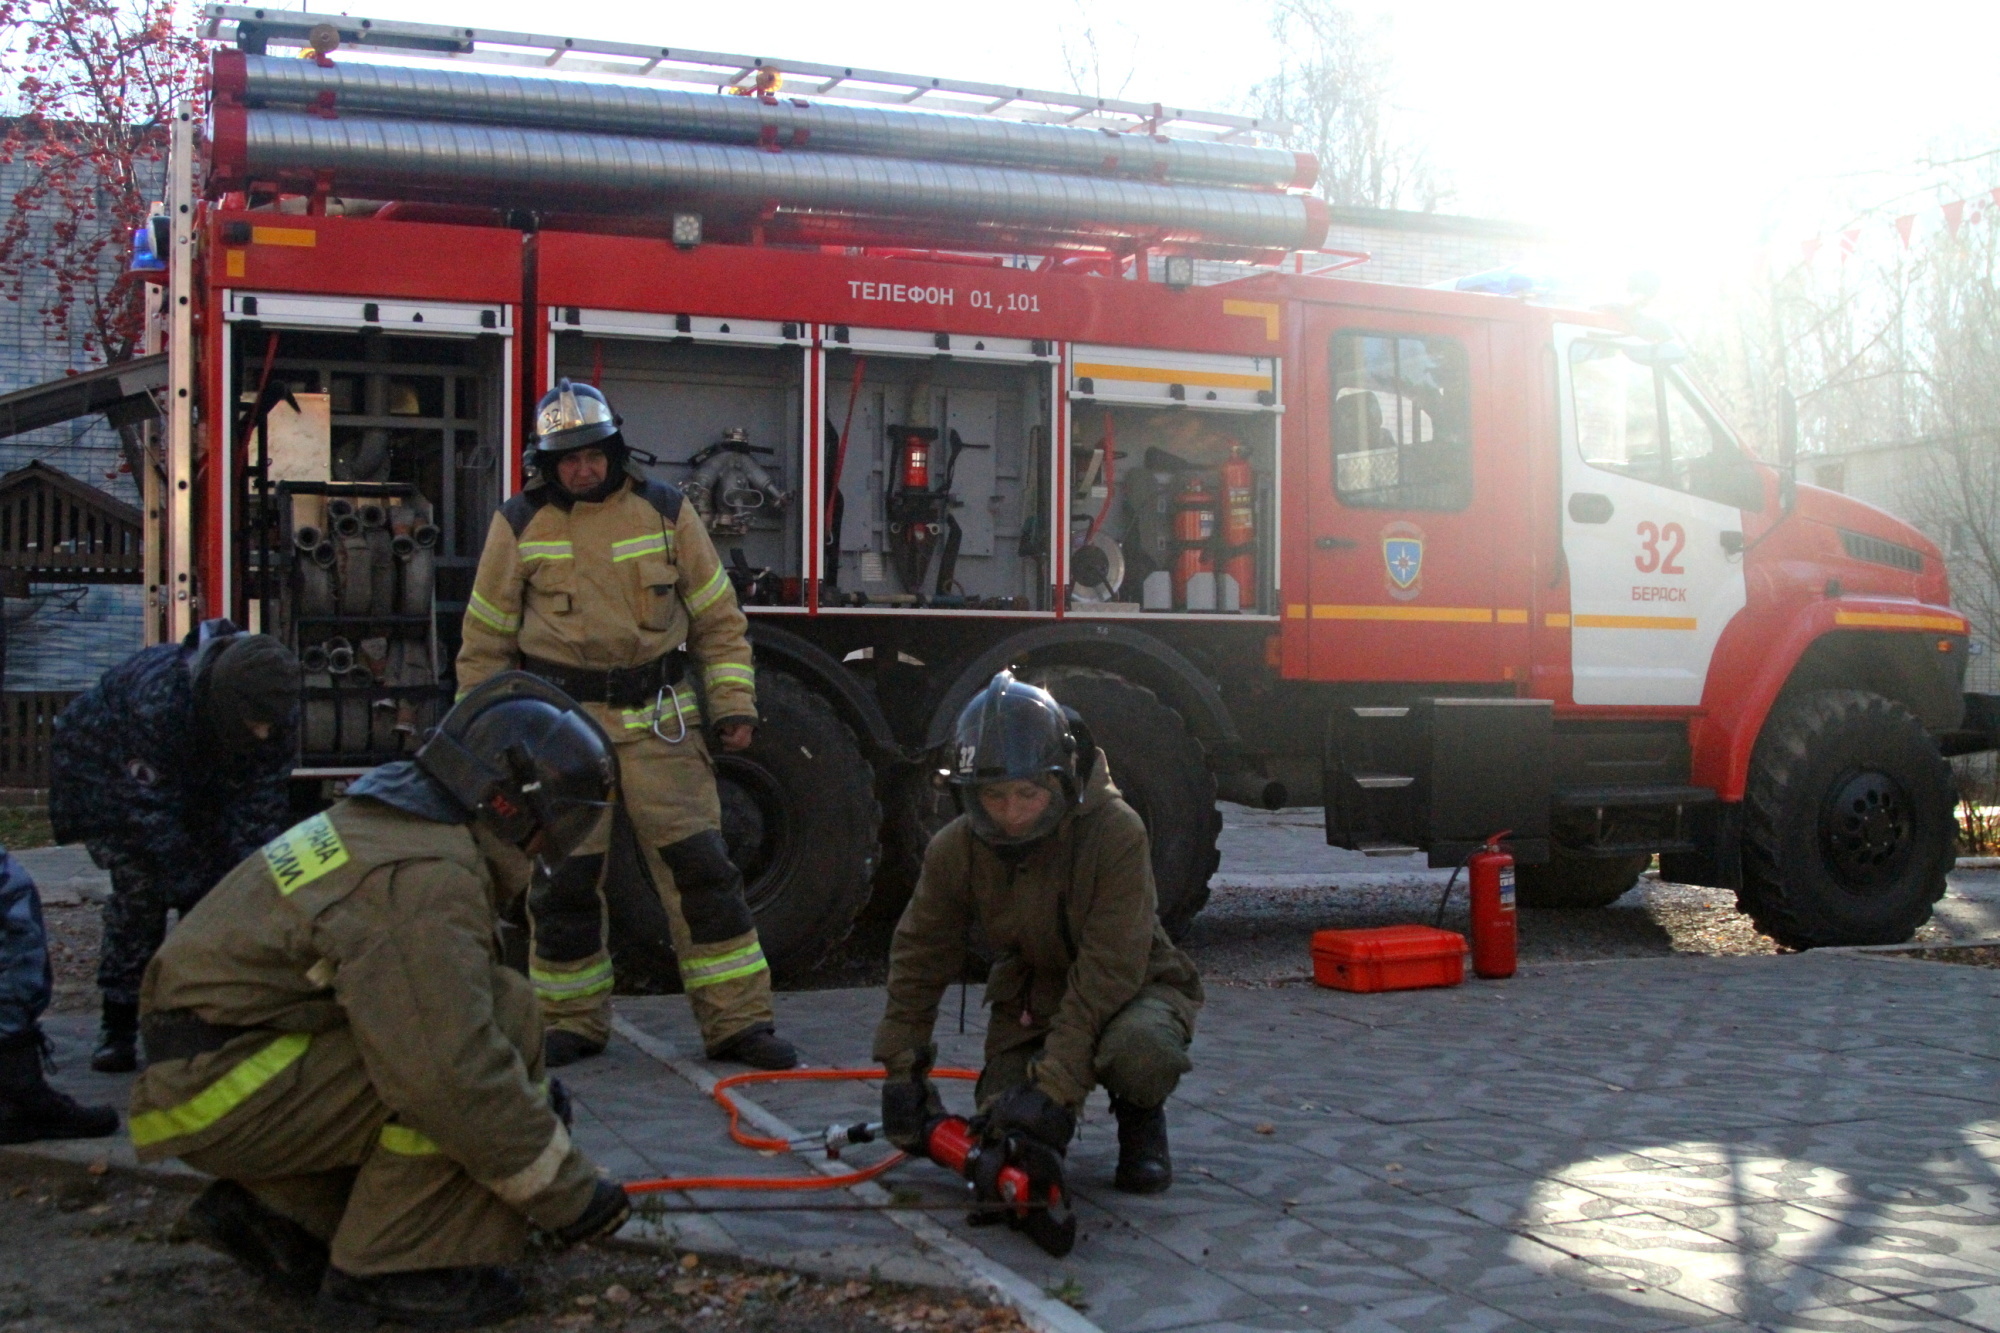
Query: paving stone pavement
1796,1143
1788,1143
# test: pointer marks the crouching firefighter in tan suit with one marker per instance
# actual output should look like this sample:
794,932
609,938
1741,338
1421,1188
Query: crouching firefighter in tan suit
1085,988
605,584
332,1033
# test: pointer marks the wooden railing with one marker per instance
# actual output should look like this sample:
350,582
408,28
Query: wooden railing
60,530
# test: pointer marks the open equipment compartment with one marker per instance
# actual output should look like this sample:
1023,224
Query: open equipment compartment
1173,475
366,464
939,469
720,404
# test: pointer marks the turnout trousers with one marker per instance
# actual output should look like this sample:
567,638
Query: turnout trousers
668,791
1140,1055
328,1154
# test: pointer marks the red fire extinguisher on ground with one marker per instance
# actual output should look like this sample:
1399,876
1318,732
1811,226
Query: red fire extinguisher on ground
1194,533
1492,895
1239,525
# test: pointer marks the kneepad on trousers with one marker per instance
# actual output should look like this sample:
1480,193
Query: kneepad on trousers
710,887
567,911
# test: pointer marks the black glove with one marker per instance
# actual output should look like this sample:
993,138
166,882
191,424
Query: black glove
908,1104
606,1212
560,1103
1030,1111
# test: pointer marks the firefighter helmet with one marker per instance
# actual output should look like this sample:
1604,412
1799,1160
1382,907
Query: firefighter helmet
571,416
1012,732
522,756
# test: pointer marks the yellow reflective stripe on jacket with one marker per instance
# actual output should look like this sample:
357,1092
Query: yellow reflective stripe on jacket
699,972
729,673
406,1142
637,719
221,1097
578,985
709,593
634,547
492,616
547,551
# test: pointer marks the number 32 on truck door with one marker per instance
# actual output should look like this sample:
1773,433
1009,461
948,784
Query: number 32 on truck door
1661,547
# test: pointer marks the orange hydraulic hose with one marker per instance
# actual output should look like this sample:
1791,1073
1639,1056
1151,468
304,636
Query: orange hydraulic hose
736,1132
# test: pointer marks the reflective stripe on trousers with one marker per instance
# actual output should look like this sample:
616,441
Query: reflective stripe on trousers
221,1097
748,960
581,984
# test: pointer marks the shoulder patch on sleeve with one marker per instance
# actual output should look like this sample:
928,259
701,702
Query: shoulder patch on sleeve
303,853
523,507
664,497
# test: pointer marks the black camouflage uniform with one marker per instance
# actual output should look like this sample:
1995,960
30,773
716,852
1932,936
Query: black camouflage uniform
161,802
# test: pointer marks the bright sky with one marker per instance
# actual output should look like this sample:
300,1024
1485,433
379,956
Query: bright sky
1675,137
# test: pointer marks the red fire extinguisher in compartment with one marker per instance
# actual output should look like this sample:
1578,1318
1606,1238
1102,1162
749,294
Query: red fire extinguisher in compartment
1194,533
1239,525
1492,893
916,467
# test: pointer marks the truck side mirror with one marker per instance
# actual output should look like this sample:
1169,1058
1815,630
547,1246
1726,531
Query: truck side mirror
1788,451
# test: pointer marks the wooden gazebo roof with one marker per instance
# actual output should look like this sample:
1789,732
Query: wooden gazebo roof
56,529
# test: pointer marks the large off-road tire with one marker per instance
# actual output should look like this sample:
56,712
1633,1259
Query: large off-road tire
1848,823
1573,882
914,807
1163,774
800,816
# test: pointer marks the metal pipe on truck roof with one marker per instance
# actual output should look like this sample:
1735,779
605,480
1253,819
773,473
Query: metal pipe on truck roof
782,122
533,168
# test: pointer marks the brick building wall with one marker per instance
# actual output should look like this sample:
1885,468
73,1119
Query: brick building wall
61,637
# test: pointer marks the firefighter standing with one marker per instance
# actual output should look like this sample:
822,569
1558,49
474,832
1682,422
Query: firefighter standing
1085,988
171,770
606,584
333,1034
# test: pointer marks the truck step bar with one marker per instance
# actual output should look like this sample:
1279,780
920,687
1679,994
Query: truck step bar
1658,797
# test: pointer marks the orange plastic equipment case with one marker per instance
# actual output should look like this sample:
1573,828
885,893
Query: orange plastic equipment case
1388,958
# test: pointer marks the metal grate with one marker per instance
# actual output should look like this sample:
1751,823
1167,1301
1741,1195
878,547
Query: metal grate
1860,546
255,27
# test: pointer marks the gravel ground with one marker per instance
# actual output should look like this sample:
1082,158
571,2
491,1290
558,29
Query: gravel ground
1279,882
91,1250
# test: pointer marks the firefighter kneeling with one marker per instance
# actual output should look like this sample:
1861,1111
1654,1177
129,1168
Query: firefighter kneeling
1085,988
332,1033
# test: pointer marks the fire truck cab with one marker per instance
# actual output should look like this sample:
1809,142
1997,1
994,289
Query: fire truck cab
1447,563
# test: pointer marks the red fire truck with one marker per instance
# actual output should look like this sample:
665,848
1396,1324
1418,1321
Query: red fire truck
948,392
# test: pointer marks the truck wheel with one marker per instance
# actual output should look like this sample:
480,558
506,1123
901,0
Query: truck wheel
914,808
1163,774
1573,882
801,820
1849,824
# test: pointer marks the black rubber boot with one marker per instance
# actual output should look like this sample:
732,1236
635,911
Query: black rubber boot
117,1039
562,1047
759,1047
1144,1165
229,1218
422,1298
30,1109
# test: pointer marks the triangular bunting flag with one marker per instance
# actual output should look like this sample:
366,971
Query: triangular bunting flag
1954,214
1811,248
1903,226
